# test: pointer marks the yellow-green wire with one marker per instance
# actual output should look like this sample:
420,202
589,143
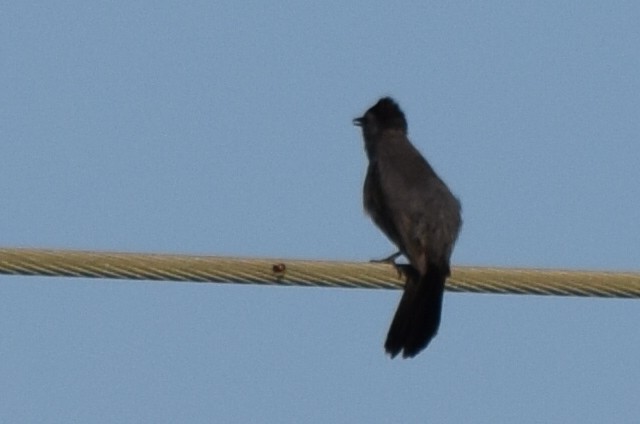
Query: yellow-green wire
289,272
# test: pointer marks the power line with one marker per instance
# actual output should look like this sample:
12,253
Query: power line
288,272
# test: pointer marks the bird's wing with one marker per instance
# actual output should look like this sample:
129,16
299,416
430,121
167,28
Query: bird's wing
417,202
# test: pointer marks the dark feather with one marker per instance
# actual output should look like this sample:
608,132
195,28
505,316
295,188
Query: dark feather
415,209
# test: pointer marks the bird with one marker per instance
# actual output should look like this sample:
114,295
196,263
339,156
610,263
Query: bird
417,212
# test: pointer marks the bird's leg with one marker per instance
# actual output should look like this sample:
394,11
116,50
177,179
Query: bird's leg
391,259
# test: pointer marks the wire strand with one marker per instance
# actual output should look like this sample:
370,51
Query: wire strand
288,272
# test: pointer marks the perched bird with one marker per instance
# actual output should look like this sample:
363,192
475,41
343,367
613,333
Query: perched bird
414,208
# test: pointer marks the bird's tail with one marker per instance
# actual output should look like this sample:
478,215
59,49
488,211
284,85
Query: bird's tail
417,318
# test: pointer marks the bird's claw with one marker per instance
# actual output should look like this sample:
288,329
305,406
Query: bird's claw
391,259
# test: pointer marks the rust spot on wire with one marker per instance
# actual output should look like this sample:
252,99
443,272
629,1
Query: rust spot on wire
279,269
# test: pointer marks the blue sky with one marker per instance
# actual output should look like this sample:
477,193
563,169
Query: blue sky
224,128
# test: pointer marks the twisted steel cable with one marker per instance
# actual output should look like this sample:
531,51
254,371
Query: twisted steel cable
161,267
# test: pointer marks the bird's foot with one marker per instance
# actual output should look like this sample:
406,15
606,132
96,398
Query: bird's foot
391,259
400,268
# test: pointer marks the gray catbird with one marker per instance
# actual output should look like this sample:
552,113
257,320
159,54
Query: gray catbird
417,212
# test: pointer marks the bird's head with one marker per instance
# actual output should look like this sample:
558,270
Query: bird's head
384,115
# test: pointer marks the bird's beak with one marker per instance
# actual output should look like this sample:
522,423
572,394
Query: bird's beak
358,122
